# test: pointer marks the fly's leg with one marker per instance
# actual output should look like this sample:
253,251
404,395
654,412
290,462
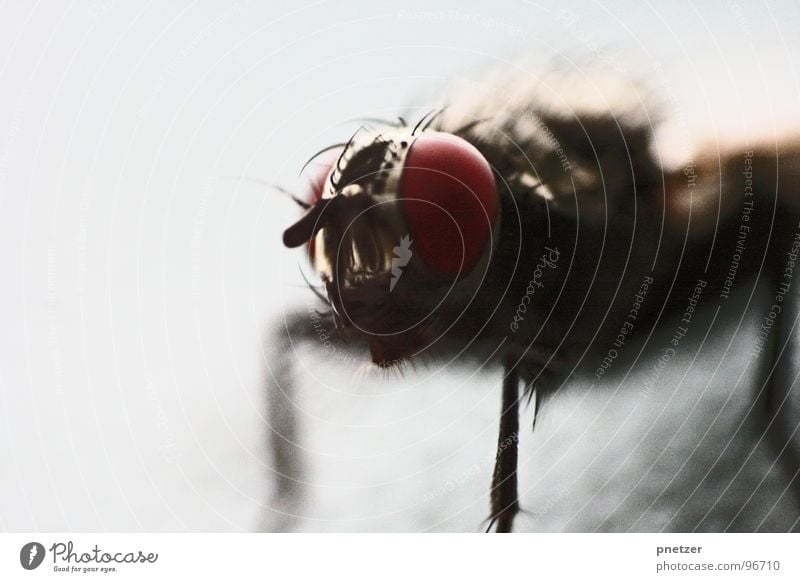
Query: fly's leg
541,372
504,497
780,430
282,423
284,430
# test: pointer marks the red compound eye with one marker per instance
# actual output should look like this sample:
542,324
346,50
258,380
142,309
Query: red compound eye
449,200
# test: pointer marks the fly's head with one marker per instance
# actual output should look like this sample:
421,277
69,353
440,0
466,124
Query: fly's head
401,230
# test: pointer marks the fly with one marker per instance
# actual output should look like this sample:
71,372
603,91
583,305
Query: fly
503,231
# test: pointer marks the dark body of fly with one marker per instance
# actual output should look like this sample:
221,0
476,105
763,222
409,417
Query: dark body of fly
580,215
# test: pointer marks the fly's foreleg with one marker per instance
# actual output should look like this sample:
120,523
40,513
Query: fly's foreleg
504,497
779,427
296,330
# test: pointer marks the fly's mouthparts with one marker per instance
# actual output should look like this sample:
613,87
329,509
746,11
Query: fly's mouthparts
356,251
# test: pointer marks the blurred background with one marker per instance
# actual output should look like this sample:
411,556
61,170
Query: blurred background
143,271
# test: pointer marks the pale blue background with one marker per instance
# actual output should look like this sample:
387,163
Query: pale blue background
138,280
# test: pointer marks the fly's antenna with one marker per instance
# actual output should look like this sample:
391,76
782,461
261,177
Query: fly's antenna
428,119
433,118
421,121
319,153
397,122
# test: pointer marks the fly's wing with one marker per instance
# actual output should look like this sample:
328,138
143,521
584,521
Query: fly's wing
581,141
573,157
